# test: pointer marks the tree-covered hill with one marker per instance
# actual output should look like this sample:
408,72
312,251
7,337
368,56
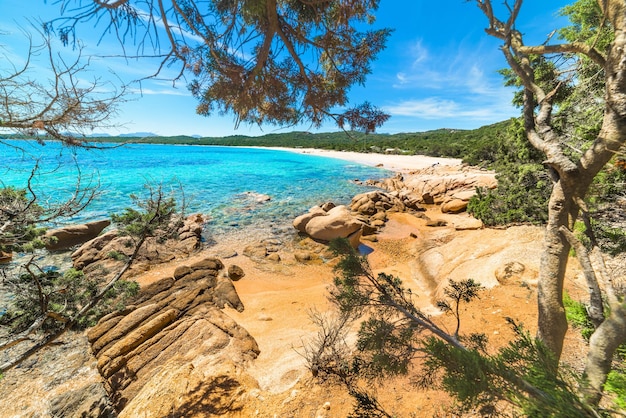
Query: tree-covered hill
456,143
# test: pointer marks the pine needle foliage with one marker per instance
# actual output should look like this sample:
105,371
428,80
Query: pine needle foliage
521,374
396,338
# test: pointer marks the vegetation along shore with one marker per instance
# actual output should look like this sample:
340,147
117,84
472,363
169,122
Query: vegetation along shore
482,275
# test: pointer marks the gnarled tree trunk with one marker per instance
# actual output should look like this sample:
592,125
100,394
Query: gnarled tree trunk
572,177
552,323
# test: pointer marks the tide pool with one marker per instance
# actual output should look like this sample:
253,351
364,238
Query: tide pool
229,184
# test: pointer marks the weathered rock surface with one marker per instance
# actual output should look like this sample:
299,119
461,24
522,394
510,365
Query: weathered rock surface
174,342
457,255
88,401
204,387
111,250
465,222
509,271
337,223
235,272
440,184
60,381
71,235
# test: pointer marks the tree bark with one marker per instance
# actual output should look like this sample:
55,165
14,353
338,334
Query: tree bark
571,178
552,323
602,345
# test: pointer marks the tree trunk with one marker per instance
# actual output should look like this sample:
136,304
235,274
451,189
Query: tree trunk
552,324
574,184
602,345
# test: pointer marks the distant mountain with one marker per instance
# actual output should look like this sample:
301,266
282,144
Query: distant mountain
137,134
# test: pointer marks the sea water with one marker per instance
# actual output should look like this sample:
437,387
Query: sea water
236,188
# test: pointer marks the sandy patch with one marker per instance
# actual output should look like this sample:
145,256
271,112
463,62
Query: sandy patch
398,163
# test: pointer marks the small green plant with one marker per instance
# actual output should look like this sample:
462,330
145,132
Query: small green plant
616,384
395,337
116,255
457,292
577,315
19,214
55,298
150,216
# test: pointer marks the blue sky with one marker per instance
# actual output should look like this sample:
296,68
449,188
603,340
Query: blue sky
439,70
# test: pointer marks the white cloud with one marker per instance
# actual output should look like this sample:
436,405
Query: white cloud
437,108
419,52
450,86
430,108
449,68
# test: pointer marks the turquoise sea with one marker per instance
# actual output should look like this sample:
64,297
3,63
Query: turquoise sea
225,183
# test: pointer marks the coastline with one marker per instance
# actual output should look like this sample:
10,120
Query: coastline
391,162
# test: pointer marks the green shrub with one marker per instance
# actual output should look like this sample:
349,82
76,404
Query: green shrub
521,197
616,384
523,184
577,315
63,295
116,255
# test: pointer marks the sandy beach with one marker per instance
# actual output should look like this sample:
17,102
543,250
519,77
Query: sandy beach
392,162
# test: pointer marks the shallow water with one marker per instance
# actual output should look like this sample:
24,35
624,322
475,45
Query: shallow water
238,188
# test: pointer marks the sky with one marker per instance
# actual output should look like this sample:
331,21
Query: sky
439,70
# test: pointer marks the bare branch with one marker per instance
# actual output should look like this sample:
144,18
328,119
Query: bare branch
156,217
574,47
65,107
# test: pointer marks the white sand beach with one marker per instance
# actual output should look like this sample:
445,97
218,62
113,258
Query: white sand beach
398,163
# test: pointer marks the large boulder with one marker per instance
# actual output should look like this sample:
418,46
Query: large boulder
172,345
457,202
301,221
337,223
454,206
69,236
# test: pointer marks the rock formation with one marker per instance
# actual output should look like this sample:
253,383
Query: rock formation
111,249
338,222
69,236
372,208
450,187
175,345
326,225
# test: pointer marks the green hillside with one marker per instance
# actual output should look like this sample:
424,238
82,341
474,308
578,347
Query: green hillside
439,143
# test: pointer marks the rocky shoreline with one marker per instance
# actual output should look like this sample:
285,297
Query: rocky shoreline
216,329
